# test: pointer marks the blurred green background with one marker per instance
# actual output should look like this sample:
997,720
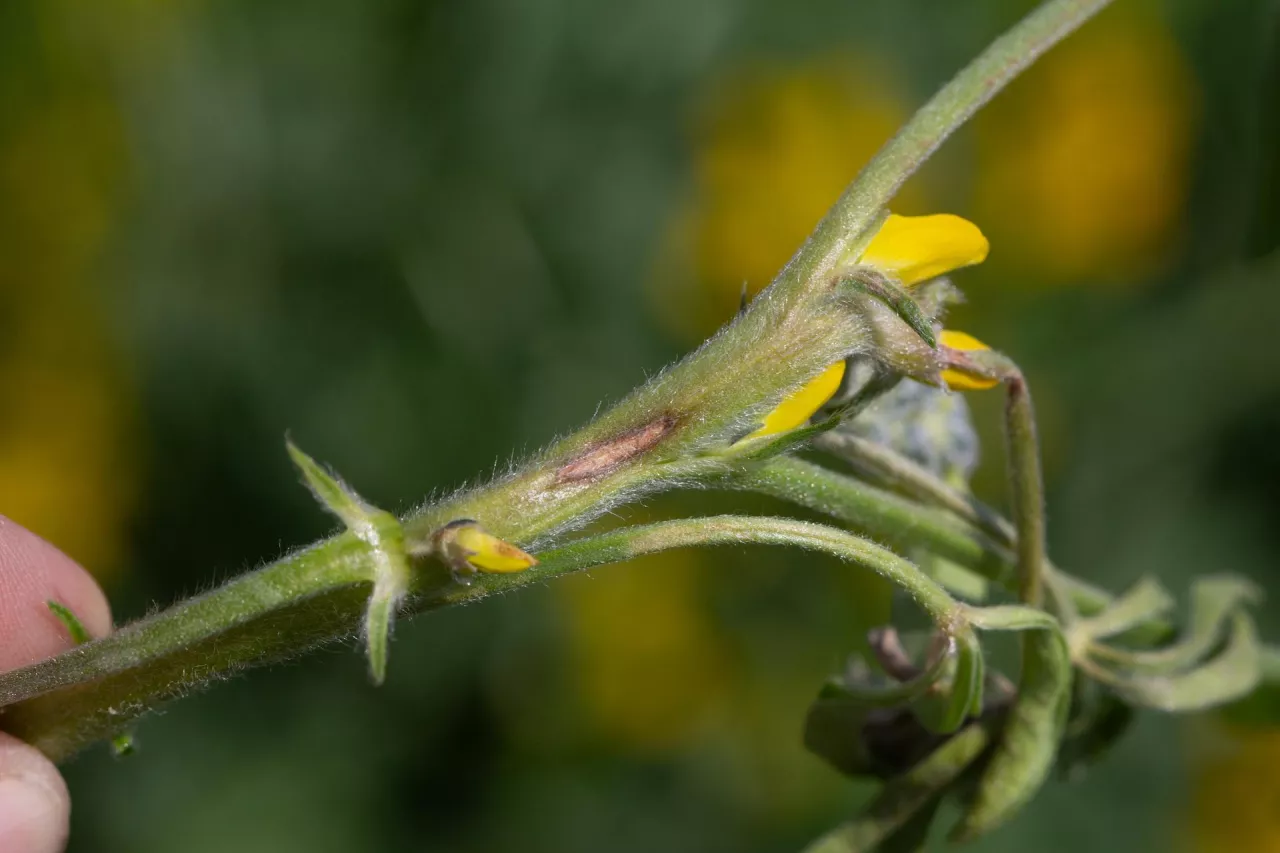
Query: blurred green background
424,236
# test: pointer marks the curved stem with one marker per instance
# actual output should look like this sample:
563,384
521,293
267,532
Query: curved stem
889,518
1027,488
628,543
657,438
882,515
858,209
878,464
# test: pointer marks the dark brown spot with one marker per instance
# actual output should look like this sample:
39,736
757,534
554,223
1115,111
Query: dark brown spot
609,455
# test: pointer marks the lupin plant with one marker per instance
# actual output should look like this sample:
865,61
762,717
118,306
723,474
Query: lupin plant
844,354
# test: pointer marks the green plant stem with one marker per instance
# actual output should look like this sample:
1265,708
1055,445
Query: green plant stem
97,689
874,512
886,517
671,432
841,232
1026,484
94,690
878,464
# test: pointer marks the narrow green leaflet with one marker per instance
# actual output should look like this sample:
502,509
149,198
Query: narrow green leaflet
384,536
1214,600
1262,706
1142,602
75,628
1229,675
1029,741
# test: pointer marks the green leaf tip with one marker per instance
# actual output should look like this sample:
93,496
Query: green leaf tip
1230,675
121,744
335,495
75,628
382,533
1144,601
378,620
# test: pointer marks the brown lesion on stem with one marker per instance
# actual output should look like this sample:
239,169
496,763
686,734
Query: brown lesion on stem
609,455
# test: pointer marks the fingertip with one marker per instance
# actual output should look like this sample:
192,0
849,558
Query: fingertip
33,572
35,807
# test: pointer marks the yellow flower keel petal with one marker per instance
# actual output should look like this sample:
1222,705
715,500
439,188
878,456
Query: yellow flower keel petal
467,548
957,378
917,248
800,406
488,553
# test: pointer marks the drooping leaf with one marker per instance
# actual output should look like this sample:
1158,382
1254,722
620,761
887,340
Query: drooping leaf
1142,602
1213,601
1227,676
1029,740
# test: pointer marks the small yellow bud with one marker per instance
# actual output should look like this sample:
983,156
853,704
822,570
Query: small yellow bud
800,406
466,542
917,248
958,379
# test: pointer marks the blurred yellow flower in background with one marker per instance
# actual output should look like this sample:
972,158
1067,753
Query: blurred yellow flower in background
646,659
66,467
1083,164
774,149
1237,794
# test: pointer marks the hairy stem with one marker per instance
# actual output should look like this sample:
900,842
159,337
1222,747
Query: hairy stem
859,208
878,464
671,432
886,517
97,689
1027,488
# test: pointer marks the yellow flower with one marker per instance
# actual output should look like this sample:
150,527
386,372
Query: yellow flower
646,680
1083,165
796,409
956,378
465,541
1235,796
68,461
917,248
772,152
911,249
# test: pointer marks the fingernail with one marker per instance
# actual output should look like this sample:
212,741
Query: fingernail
33,818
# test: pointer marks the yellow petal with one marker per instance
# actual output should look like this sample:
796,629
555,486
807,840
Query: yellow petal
488,553
959,380
800,406
963,341
917,248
